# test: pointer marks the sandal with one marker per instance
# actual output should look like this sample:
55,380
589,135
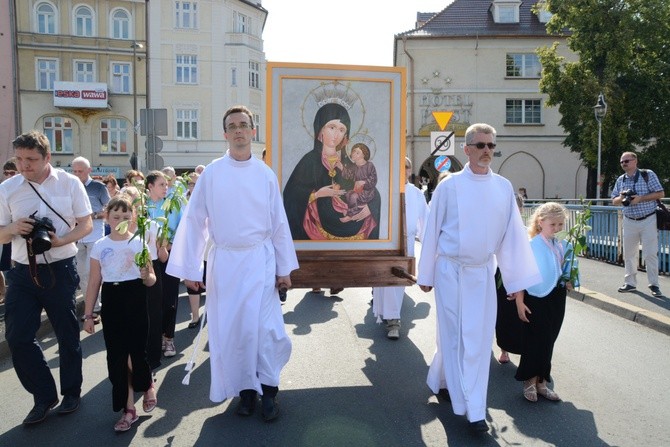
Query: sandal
127,420
149,403
529,391
547,393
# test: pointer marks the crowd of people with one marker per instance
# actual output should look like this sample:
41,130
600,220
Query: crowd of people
488,273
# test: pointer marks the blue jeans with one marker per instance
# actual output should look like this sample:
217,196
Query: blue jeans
24,303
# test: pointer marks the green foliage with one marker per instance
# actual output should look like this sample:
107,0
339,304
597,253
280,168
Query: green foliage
143,258
577,246
173,203
624,52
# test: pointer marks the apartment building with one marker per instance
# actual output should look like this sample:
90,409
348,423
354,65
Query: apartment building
81,67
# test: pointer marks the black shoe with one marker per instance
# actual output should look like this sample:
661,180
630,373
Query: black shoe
247,403
626,288
478,426
269,401
39,413
270,408
655,291
69,405
444,394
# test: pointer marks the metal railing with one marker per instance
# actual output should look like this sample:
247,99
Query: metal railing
605,239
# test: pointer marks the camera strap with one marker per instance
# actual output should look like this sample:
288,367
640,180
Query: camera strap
32,266
47,204
32,262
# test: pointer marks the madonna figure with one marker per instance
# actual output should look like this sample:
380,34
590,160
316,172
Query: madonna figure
313,194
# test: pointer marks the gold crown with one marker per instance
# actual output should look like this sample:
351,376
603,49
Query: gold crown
335,92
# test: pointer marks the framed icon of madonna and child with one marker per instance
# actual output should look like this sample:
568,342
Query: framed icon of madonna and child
336,140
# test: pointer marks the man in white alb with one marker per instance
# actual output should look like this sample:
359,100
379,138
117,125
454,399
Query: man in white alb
237,203
473,225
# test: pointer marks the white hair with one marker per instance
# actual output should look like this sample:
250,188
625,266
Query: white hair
83,161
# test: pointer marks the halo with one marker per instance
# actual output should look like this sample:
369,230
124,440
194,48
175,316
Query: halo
366,139
332,91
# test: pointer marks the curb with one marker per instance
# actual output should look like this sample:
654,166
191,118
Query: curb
647,318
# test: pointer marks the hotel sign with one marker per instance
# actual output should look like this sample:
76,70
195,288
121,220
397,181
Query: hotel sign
89,95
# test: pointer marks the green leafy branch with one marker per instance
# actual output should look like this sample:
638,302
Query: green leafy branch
143,258
173,203
577,246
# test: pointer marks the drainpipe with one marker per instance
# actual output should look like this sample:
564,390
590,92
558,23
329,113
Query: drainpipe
412,101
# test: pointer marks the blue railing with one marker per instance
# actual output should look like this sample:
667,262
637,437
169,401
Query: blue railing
605,237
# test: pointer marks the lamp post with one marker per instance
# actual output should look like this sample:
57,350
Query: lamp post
600,110
135,46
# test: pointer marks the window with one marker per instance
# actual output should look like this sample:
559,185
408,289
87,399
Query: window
46,19
523,65
186,15
58,129
120,77
113,136
83,22
187,124
84,71
254,75
233,77
187,69
523,111
257,123
507,14
47,73
120,24
242,23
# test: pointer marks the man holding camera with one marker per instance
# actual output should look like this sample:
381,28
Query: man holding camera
43,212
638,191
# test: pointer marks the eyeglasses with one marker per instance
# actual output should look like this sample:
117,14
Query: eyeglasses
623,162
9,173
191,183
234,127
483,145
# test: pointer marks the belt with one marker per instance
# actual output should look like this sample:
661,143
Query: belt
643,217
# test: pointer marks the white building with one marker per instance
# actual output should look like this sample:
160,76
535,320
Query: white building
477,58
204,56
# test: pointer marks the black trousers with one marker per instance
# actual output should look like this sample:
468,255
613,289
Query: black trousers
170,301
125,328
540,334
23,306
155,306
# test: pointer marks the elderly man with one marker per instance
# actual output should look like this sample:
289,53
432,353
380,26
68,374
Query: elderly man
637,191
473,225
46,281
98,195
237,205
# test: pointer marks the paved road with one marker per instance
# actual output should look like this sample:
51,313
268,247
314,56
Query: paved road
346,384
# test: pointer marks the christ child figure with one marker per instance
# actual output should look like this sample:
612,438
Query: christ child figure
364,174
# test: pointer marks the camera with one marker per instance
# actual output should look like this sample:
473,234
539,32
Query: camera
39,236
628,195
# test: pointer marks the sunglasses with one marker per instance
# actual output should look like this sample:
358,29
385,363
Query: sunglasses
483,145
625,162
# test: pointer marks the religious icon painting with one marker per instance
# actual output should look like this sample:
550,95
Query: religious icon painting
335,138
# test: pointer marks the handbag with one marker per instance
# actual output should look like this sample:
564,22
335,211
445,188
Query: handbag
662,216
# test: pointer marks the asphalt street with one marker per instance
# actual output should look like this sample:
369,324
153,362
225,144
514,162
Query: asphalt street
348,385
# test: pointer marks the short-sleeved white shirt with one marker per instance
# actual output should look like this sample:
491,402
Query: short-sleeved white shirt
117,259
64,192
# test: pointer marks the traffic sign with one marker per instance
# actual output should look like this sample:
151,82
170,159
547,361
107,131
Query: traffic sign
443,118
442,163
443,142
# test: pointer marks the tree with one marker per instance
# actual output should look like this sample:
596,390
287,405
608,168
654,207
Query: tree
624,52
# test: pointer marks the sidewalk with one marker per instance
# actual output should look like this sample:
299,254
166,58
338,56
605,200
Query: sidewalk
600,282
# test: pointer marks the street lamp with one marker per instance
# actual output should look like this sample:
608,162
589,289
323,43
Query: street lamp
135,46
600,110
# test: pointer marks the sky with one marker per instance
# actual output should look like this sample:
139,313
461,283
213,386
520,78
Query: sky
349,32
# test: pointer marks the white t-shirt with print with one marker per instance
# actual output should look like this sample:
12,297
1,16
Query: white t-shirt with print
117,259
